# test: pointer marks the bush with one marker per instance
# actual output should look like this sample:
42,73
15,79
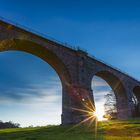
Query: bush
9,124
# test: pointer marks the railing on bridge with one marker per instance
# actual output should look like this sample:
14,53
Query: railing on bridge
38,33
62,43
113,67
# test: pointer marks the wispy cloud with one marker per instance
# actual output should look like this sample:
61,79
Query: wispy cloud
98,82
100,89
33,92
41,102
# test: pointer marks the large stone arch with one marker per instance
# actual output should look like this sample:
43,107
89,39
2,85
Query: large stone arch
119,90
39,51
51,58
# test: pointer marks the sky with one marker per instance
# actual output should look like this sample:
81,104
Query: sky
109,30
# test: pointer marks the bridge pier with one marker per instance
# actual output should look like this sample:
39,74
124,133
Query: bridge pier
75,99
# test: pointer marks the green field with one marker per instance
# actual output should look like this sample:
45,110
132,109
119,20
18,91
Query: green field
106,130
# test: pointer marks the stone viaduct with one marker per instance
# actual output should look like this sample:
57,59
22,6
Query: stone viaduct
75,69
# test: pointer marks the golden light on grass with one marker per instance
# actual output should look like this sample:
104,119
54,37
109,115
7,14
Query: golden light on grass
90,115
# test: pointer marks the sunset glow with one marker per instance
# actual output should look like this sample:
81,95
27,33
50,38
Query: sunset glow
99,114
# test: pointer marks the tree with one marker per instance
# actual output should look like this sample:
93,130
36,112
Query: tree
9,124
110,106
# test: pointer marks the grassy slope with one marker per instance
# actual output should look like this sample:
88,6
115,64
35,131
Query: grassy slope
110,130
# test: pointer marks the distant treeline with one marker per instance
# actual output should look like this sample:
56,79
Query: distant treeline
9,124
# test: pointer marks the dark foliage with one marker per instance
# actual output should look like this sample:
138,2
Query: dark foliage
8,125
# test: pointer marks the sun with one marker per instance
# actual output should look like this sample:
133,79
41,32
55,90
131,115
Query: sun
99,115
92,116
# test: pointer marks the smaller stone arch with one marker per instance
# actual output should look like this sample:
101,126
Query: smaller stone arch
120,93
136,100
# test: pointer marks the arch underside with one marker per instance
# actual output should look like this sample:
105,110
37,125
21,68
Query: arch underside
119,91
39,51
53,60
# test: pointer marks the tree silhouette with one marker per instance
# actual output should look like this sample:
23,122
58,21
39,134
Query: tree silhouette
110,106
9,124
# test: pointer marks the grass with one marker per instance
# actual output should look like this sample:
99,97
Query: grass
106,130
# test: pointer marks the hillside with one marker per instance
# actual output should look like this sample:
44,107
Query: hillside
108,130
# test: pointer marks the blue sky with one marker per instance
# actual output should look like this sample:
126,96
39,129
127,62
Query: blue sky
109,30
